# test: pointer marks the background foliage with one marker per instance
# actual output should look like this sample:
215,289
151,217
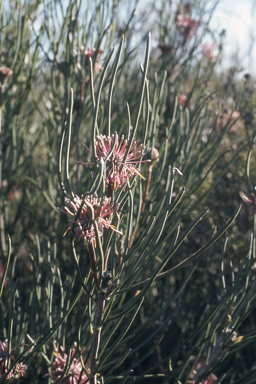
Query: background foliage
184,310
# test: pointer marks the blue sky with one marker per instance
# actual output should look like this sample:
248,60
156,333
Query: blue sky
238,17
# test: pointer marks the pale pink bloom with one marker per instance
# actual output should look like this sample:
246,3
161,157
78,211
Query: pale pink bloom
118,170
15,193
182,100
83,227
74,369
187,26
5,183
97,67
210,379
209,51
5,72
223,120
19,368
90,52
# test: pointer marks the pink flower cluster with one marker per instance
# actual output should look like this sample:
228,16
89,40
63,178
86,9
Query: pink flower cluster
187,26
19,368
223,120
210,379
209,51
75,369
83,227
90,52
118,170
87,53
182,100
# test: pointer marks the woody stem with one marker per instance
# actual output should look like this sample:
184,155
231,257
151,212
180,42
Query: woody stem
93,263
96,337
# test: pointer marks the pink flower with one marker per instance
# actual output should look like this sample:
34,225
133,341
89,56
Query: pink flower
83,227
90,53
209,51
223,120
19,368
187,26
74,369
118,170
5,72
182,100
210,379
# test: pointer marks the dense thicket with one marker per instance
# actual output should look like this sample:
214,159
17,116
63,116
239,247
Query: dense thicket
157,265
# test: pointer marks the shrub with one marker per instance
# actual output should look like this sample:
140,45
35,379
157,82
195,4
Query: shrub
142,287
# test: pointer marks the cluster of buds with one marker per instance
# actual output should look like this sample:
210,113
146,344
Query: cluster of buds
186,26
228,117
75,372
4,73
209,51
90,53
83,223
182,100
210,379
17,371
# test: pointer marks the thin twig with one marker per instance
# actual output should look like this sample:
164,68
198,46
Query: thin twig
2,234
143,204
93,263
96,336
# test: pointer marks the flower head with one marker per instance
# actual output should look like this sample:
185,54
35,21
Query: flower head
187,26
228,117
210,379
19,368
83,225
118,170
209,51
5,72
183,100
90,52
74,369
